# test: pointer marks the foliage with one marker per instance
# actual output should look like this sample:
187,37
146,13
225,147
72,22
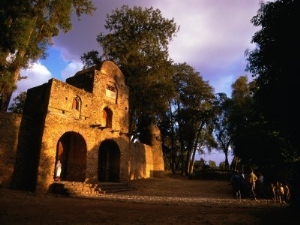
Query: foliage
274,66
255,143
137,41
91,58
37,22
192,114
222,106
252,139
212,164
222,165
18,103
208,174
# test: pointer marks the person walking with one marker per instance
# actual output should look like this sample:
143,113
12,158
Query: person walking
260,185
236,185
243,183
252,180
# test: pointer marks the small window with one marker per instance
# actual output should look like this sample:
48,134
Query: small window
76,103
107,117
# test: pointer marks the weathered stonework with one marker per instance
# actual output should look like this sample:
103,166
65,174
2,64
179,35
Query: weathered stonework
84,124
9,132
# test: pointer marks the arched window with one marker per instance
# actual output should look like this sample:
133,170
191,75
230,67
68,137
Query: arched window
107,117
76,103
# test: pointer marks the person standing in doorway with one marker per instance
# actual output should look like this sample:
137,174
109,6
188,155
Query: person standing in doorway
58,170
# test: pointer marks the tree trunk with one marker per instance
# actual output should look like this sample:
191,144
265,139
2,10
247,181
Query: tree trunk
191,168
14,69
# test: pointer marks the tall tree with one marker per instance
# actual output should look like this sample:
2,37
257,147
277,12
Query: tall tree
241,111
137,41
274,66
193,114
222,125
167,127
254,141
27,28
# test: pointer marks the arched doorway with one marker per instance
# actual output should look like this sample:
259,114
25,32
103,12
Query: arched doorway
71,150
109,162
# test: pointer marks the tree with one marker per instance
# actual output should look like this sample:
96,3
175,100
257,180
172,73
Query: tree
244,122
171,147
91,58
222,125
254,142
27,28
274,66
212,164
193,113
222,165
18,103
137,41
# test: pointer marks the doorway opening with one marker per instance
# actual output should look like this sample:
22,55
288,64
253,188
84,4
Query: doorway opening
71,151
109,162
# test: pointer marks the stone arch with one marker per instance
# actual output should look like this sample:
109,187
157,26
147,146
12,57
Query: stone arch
71,150
109,161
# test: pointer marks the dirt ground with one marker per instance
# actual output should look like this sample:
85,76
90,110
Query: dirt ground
168,200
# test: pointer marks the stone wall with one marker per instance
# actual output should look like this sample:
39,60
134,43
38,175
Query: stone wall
9,132
141,161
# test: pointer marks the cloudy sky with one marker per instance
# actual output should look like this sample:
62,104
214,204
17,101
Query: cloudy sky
213,37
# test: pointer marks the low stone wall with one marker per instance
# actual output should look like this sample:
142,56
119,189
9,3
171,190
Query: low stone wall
141,161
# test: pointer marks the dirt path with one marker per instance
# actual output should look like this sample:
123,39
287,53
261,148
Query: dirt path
153,201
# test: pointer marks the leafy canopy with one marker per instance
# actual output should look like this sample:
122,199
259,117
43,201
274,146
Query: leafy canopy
274,65
27,28
137,41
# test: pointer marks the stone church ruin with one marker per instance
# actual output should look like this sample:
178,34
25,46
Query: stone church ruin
82,122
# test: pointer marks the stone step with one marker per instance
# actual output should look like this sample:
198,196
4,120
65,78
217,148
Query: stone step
81,189
108,187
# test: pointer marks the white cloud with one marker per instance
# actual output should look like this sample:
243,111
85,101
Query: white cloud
72,68
36,75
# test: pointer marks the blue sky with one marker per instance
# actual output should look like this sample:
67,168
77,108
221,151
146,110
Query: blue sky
55,62
213,37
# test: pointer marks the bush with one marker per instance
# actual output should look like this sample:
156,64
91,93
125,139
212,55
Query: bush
211,175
